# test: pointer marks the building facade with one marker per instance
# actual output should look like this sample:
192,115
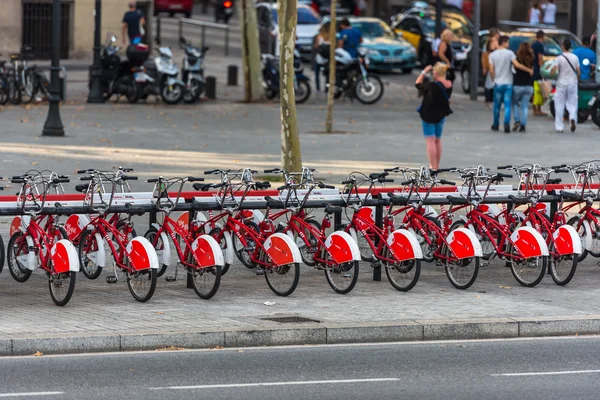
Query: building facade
28,23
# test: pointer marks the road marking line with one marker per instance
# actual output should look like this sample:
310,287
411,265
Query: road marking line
240,385
588,371
31,394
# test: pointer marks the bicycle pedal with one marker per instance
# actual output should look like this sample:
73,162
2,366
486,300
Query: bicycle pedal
170,278
259,271
112,279
375,263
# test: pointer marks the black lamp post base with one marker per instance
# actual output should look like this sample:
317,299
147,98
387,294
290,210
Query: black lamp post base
53,125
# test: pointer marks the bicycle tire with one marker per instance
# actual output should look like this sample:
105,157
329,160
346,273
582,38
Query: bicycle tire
88,266
216,234
211,288
401,270
274,273
557,277
458,272
305,251
28,88
342,270
20,273
145,275
520,274
159,246
244,254
14,92
2,254
55,287
574,221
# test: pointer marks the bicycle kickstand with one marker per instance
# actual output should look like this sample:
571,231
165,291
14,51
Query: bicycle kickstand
173,278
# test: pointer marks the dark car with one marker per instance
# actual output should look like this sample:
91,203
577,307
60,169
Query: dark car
419,30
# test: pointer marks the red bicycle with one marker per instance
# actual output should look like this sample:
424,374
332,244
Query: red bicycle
337,254
36,246
199,255
397,249
134,257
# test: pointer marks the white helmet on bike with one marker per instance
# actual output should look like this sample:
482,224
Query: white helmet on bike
342,56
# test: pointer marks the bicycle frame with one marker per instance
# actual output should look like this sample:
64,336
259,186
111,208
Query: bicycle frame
99,225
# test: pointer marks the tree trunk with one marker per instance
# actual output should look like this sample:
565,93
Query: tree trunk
251,64
331,88
291,158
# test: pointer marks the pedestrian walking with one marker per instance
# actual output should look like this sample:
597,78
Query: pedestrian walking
502,61
434,109
538,55
321,41
446,54
492,45
567,67
585,53
534,16
523,87
133,24
549,9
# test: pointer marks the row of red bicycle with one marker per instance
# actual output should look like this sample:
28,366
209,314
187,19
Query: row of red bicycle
523,232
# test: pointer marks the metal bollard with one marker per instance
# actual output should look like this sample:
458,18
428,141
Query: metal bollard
232,75
211,87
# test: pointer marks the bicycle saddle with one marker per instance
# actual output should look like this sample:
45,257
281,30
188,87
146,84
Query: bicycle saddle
202,186
329,209
456,200
82,188
397,199
274,203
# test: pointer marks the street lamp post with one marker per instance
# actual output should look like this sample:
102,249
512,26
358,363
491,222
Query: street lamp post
96,95
438,18
54,125
476,46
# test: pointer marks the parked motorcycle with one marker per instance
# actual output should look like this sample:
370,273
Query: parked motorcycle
120,77
111,62
270,69
351,76
223,10
192,71
160,78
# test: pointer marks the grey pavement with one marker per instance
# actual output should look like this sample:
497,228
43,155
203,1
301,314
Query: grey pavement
538,369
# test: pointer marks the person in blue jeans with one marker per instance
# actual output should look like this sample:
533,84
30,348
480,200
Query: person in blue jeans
434,109
523,87
584,52
501,64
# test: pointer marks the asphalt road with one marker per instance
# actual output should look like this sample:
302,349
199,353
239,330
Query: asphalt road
554,368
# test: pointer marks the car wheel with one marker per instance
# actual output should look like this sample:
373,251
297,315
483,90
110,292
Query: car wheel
465,80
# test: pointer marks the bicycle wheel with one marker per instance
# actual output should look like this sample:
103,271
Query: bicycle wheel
206,281
244,253
14,92
220,238
3,91
28,88
574,222
307,252
366,252
61,287
402,275
283,280
18,253
528,272
461,273
2,254
88,255
595,249
562,268
342,277
157,242
142,284
488,249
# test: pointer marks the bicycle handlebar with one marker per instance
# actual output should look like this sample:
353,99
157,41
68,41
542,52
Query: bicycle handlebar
504,166
85,178
445,182
387,180
210,172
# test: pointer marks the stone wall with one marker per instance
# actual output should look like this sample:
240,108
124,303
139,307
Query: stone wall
10,27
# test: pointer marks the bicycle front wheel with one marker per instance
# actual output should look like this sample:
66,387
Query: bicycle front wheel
461,273
206,281
217,234
142,284
283,280
18,254
62,287
2,254
244,253
307,251
574,222
159,246
528,272
342,277
403,275
88,255
562,268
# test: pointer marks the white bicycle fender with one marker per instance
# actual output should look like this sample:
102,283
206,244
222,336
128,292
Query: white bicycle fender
282,250
587,241
404,245
567,240
342,247
529,242
164,255
29,260
101,254
64,257
228,253
353,234
207,252
464,244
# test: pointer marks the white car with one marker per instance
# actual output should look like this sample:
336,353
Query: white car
309,23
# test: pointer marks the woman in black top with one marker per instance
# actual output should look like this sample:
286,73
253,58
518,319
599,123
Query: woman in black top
434,109
445,53
523,86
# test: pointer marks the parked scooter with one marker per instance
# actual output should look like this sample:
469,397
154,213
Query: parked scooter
128,72
192,71
223,10
351,76
111,64
270,69
160,78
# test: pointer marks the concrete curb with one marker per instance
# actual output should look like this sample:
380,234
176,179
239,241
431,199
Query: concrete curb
306,334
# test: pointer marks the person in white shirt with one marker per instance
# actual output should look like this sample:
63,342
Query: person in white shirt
567,66
534,16
549,9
